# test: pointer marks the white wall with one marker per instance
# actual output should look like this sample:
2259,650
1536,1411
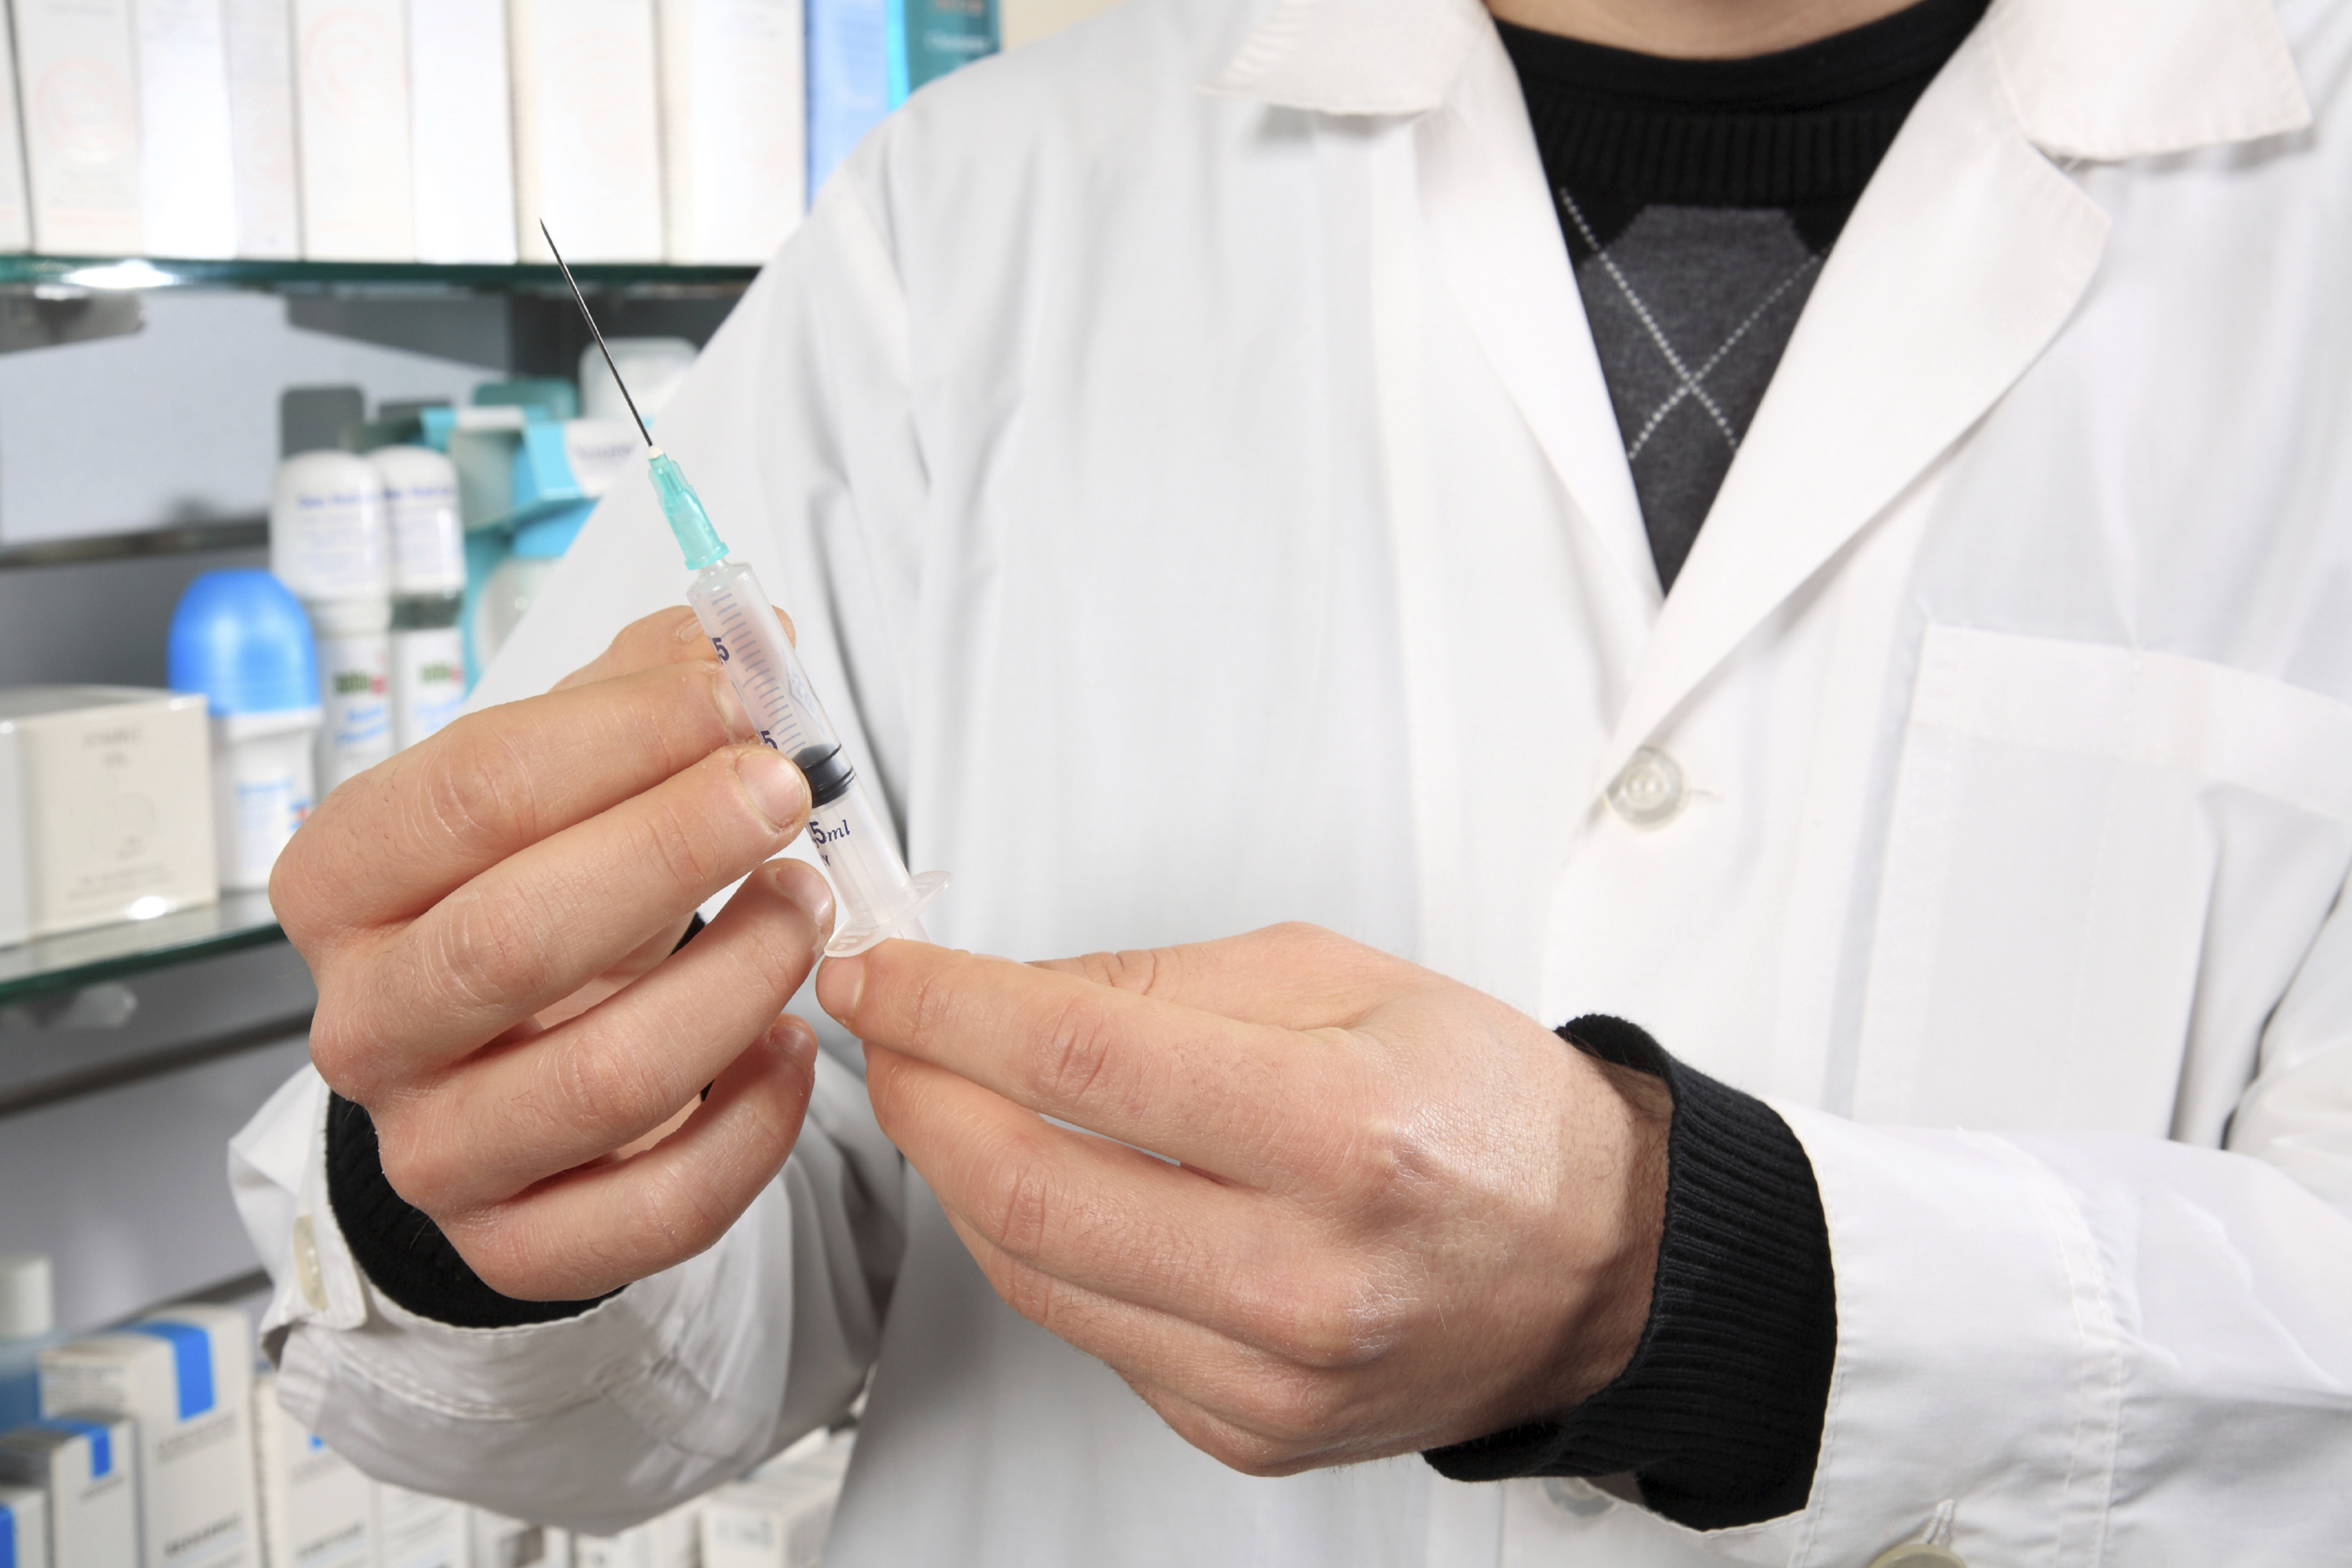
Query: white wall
178,423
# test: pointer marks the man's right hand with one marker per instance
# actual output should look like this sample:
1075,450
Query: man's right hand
490,918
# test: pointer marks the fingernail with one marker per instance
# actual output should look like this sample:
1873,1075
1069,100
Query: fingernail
840,983
808,892
774,785
730,709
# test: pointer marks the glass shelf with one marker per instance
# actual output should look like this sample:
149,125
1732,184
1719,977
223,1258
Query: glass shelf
83,958
118,273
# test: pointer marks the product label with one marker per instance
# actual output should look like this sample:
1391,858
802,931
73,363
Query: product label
355,721
335,545
428,681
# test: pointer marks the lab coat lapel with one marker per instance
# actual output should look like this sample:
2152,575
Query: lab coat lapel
1495,235
1961,261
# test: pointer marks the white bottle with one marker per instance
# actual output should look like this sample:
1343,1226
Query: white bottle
28,1325
329,543
241,638
428,587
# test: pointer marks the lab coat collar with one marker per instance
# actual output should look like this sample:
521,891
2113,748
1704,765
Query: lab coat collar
2101,79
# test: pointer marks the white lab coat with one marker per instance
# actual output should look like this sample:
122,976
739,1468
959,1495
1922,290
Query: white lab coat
1202,509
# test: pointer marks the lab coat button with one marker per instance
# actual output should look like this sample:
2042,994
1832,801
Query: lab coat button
305,1266
1918,1555
1649,792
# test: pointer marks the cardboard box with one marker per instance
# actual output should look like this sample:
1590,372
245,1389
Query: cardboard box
23,1528
16,211
461,130
734,127
317,1511
79,91
502,1542
587,129
186,157
780,1514
111,809
673,1540
414,1531
87,1467
351,87
186,1376
260,35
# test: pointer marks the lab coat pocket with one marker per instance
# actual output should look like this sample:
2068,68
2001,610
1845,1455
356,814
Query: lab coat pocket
2102,867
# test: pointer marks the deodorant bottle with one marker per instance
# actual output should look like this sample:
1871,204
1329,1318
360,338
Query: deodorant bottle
330,543
428,588
240,638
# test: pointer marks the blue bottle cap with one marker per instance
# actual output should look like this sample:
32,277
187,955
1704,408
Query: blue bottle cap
241,638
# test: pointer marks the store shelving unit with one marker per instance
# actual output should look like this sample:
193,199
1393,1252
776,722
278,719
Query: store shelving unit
129,1053
121,273
76,960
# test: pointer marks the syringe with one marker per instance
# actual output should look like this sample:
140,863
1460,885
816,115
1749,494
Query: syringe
873,896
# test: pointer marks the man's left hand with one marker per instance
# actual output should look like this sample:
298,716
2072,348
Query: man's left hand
1405,1215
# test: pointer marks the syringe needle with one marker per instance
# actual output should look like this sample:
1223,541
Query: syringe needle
589,317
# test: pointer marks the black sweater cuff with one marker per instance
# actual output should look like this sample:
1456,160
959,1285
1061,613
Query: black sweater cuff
398,1246
1719,1413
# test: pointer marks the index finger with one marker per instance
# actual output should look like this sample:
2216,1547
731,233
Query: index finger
665,636
1179,1081
389,842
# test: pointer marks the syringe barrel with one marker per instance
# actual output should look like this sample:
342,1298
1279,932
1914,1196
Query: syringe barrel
742,625
874,898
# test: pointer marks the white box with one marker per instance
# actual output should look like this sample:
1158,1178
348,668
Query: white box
502,1542
16,854
113,802
672,1541
15,213
780,1514
86,1463
260,37
461,130
79,97
186,1376
350,89
186,180
414,1531
587,129
734,127
23,1528
316,1510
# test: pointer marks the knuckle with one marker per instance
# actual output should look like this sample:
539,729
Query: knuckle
488,953
1251,1453
1016,1201
600,1088
417,1165
673,842
1073,1051
1331,1326
1026,1288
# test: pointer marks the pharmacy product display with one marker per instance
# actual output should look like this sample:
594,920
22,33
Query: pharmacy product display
105,806
164,1447
428,589
439,130
83,1465
316,1511
240,638
329,543
28,1325
874,895
185,1377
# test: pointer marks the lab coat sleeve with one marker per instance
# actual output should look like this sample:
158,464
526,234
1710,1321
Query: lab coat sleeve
2096,1347
598,1421
796,430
